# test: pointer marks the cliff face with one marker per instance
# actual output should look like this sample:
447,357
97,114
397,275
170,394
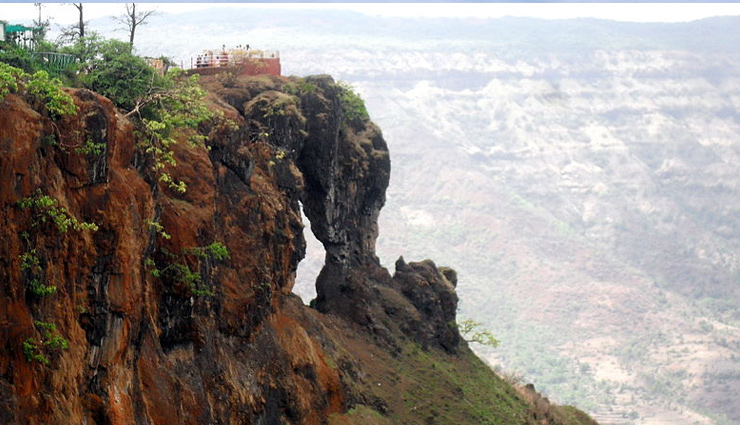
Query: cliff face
125,302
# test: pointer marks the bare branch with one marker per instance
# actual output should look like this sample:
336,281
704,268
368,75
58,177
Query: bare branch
77,30
133,19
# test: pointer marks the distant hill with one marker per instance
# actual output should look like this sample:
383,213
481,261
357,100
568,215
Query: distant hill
314,30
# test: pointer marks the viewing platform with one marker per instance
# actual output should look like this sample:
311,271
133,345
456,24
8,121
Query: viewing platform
240,61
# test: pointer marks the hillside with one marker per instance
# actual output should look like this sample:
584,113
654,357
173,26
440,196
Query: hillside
128,299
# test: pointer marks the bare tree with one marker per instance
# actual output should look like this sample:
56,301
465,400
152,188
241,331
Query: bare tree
39,5
41,26
81,24
76,31
133,19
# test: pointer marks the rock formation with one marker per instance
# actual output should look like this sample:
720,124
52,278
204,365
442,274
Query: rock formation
126,302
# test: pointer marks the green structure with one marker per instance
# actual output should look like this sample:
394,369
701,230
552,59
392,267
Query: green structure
20,35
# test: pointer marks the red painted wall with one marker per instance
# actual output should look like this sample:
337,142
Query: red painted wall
254,66
266,66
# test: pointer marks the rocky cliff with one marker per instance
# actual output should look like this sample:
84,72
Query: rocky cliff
127,302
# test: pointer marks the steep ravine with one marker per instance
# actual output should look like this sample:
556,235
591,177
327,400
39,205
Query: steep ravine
151,323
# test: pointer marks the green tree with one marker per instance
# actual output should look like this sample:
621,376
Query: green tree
472,331
110,69
171,109
76,31
18,57
84,49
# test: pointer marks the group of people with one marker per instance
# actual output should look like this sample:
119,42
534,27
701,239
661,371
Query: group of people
223,58
209,60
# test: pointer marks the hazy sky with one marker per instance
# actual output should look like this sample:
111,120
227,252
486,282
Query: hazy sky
638,12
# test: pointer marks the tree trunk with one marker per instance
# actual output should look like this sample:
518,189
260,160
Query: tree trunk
82,21
132,15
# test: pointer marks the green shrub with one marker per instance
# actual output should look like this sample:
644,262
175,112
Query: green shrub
18,58
9,76
352,104
182,274
178,270
38,349
32,351
47,210
90,147
49,91
46,89
31,263
218,251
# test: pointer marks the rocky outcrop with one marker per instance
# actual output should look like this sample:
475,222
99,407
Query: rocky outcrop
158,328
126,302
432,293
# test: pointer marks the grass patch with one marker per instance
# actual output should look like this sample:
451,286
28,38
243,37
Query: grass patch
444,389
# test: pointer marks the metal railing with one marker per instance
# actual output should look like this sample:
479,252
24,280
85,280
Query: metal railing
54,61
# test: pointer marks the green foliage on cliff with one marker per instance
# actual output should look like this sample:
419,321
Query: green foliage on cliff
174,110
181,273
158,229
165,108
216,250
38,349
90,147
46,209
45,89
31,264
352,104
49,91
178,266
9,76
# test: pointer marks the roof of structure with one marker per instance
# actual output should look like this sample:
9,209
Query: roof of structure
18,28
